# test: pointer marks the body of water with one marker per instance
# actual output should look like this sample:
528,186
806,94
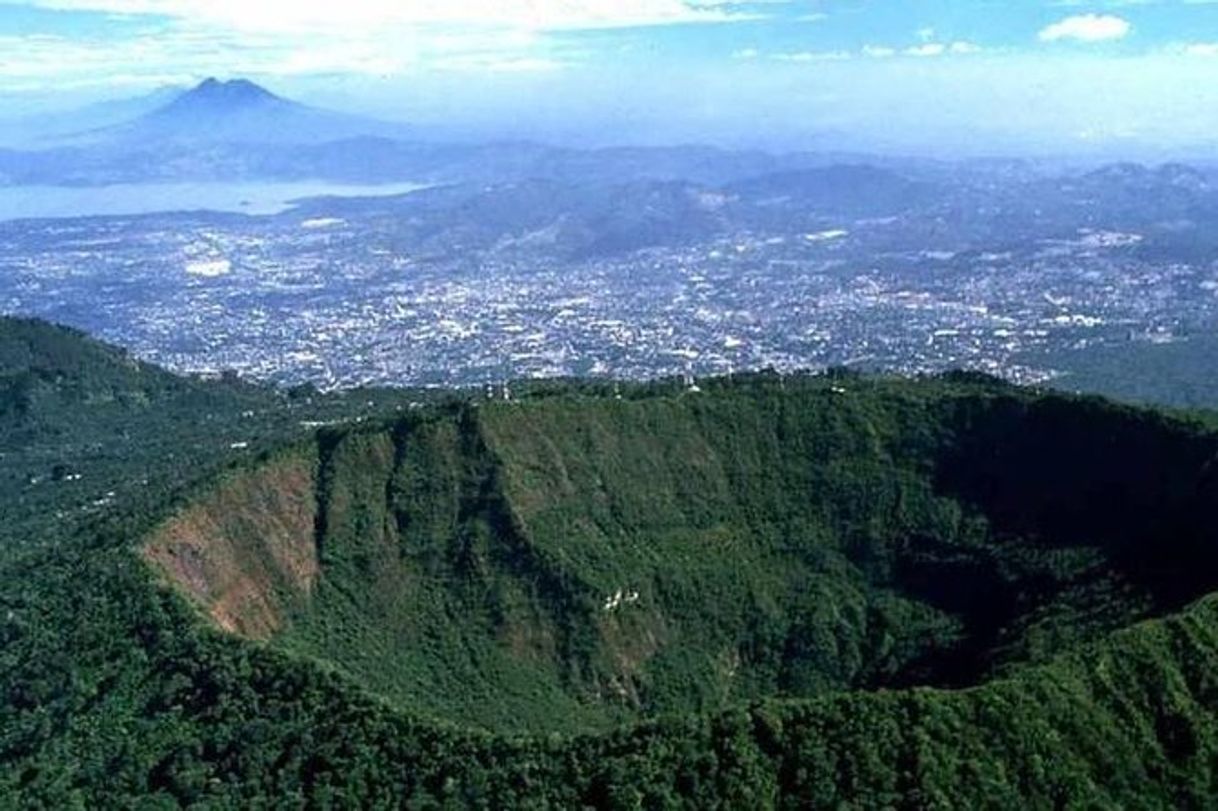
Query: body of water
31,202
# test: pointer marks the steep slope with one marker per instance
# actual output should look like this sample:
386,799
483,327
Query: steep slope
569,562
456,536
77,416
793,544
246,588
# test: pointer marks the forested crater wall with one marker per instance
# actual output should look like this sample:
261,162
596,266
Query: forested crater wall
571,561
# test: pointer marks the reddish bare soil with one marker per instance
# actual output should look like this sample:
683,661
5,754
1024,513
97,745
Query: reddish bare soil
245,553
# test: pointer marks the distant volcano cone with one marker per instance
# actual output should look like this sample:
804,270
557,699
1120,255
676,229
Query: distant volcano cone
240,111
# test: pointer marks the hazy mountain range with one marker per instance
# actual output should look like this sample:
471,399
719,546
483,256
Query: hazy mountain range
237,130
214,131
595,201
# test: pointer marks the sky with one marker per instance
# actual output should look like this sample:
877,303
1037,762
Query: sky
927,76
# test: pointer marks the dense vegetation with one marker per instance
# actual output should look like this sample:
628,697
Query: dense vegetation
850,592
85,428
1180,374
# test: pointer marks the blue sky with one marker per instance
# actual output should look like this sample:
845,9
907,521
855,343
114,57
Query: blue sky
888,74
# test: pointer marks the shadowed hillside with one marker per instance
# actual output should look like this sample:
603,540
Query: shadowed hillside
577,560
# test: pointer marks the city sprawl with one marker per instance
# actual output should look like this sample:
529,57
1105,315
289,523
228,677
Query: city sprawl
380,294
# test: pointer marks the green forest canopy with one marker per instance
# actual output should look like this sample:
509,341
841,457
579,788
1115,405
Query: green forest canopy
849,590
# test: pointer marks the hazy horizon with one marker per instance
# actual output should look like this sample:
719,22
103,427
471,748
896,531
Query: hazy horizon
1116,79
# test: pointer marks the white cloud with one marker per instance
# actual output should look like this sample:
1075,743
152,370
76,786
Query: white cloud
925,50
181,54
879,51
327,15
1200,49
965,47
66,62
493,63
194,38
812,56
1087,28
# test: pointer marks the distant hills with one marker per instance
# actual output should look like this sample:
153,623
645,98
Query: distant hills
47,370
65,127
605,201
239,130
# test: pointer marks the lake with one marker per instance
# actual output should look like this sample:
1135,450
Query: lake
26,202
